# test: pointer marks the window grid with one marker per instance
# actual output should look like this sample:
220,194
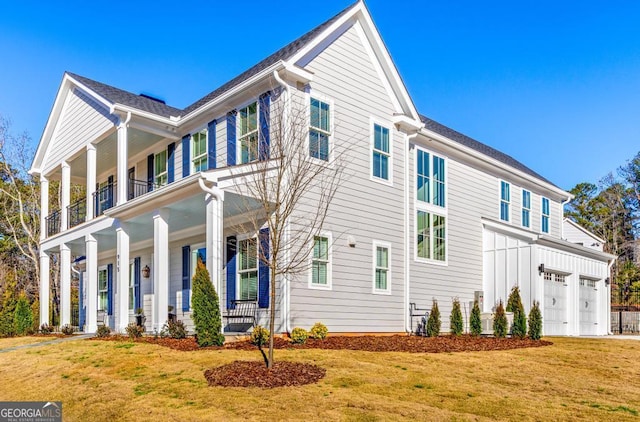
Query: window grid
248,133
588,282
545,215
320,129
431,236
381,152
161,176
555,277
102,289
320,261
382,268
199,151
526,208
505,199
248,269
131,286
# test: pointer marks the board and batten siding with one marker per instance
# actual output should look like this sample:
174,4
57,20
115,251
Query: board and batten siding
84,120
366,210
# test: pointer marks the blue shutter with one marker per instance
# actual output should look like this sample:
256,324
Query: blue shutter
110,289
137,297
231,270
264,138
82,310
211,148
231,138
263,269
171,162
110,192
186,155
186,269
150,158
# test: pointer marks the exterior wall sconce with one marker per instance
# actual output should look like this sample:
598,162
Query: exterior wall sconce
607,281
146,271
352,241
541,269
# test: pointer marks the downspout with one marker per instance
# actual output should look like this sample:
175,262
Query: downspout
407,237
609,266
285,278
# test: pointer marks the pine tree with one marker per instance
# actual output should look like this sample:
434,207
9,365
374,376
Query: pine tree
7,309
206,309
535,322
476,320
455,321
500,323
23,317
433,324
514,304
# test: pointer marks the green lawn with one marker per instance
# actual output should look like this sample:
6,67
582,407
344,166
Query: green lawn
575,379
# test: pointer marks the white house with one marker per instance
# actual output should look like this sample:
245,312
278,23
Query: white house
427,213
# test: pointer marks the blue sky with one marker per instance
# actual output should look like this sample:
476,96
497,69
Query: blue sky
554,84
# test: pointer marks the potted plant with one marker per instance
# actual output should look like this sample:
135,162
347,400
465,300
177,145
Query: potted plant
140,318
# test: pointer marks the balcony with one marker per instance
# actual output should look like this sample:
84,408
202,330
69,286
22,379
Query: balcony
77,213
104,198
53,223
139,187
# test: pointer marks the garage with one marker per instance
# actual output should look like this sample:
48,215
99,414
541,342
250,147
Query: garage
588,306
555,304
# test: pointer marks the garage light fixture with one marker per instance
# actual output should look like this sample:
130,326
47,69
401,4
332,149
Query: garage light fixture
607,281
541,268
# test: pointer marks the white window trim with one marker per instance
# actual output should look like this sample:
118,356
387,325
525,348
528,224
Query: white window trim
543,215
106,270
329,284
193,264
166,166
430,207
509,219
522,208
238,136
192,157
240,238
372,149
325,99
132,286
387,245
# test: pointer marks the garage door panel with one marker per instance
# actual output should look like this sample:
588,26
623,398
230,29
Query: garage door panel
555,304
588,306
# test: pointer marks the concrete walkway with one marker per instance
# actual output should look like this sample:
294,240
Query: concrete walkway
46,343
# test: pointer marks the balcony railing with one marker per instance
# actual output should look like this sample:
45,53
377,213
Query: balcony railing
139,187
53,223
104,198
77,212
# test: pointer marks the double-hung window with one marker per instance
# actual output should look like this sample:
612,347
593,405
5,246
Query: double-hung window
320,262
102,289
199,151
526,208
160,173
544,223
505,200
431,211
319,129
248,269
248,133
132,290
381,153
381,268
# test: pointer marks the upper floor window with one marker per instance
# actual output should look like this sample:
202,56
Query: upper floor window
319,130
160,173
320,262
544,226
248,269
248,127
526,208
199,151
505,199
381,152
430,178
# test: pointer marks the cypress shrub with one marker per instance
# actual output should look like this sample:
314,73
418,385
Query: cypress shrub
206,309
457,325
23,317
514,304
7,311
500,321
476,320
535,321
433,324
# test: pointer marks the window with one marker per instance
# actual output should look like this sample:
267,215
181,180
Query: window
587,282
555,277
431,241
160,174
102,289
431,178
320,264
199,151
545,216
381,152
381,273
505,198
105,196
320,129
197,254
248,269
132,291
248,133
526,208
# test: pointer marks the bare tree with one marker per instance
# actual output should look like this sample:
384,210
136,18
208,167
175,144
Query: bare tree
287,187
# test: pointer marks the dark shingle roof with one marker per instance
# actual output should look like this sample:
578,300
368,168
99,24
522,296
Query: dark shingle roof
479,146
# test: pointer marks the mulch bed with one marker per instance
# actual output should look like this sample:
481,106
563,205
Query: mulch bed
255,374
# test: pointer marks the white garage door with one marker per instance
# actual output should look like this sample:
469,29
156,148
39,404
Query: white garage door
588,307
555,305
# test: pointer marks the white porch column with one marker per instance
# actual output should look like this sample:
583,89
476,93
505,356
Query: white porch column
122,163
65,285
160,268
65,196
91,283
91,179
214,238
122,277
44,288
44,206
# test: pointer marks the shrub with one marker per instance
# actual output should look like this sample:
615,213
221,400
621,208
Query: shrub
134,331
455,320
46,328
67,329
476,320
23,317
206,309
514,304
500,323
35,311
299,335
8,309
535,322
103,331
319,331
259,336
174,329
433,324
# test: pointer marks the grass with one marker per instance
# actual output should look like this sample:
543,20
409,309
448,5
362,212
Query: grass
575,379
